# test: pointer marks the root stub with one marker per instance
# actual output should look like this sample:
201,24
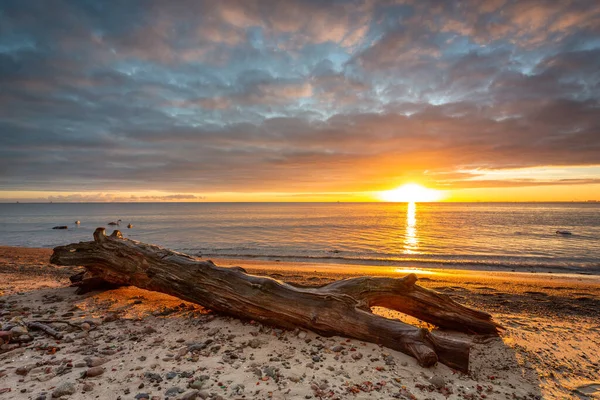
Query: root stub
340,308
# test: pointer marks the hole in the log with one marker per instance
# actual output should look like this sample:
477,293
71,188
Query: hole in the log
407,319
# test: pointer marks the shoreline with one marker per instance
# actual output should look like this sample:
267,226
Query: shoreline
385,267
142,339
390,270
421,264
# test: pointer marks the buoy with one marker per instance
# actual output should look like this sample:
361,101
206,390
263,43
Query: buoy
77,222
129,226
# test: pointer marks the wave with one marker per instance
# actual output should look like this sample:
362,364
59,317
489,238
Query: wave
451,261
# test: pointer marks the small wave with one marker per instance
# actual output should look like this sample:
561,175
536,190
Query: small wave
456,262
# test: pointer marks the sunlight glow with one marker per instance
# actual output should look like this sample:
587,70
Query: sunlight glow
411,243
413,271
411,193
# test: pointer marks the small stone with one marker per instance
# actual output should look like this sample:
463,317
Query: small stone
46,377
94,371
270,371
437,381
197,384
22,371
65,389
95,362
173,391
88,386
24,338
190,395
357,356
142,396
171,375
148,330
302,335
316,358
254,343
337,348
237,388
19,330
153,376
85,326
110,318
199,346
213,332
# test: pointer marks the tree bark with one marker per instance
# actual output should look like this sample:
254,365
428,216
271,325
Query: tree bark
340,308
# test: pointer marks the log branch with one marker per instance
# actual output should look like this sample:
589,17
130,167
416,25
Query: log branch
341,308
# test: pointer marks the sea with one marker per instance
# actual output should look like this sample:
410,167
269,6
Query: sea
489,236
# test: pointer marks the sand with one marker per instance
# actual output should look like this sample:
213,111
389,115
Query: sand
143,343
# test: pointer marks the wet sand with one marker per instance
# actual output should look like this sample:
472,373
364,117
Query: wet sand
158,345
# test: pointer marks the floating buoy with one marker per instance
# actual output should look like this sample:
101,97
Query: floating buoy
129,226
77,222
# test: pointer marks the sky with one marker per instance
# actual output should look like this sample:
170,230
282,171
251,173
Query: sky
298,100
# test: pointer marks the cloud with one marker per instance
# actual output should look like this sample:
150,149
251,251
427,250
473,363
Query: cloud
199,97
115,198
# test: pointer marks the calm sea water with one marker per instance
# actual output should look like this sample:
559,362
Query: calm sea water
512,236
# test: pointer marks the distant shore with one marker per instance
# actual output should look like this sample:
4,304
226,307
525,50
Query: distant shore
548,349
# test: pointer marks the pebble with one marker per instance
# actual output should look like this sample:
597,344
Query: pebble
23,370
437,381
171,375
197,384
190,395
19,330
95,362
153,376
94,371
64,389
254,343
175,390
213,332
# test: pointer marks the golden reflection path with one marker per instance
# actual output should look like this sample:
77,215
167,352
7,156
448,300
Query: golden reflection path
411,243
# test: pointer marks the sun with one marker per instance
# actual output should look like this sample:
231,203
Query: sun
411,193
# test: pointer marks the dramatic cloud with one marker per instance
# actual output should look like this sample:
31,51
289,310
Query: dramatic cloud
294,96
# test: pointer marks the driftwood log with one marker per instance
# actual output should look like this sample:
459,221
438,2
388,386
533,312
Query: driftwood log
340,308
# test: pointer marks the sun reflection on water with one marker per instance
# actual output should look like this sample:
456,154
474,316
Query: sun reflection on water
411,243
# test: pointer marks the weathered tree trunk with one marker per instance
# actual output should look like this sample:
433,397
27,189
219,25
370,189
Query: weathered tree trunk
340,308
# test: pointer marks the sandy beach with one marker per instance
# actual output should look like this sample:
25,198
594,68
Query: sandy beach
133,344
